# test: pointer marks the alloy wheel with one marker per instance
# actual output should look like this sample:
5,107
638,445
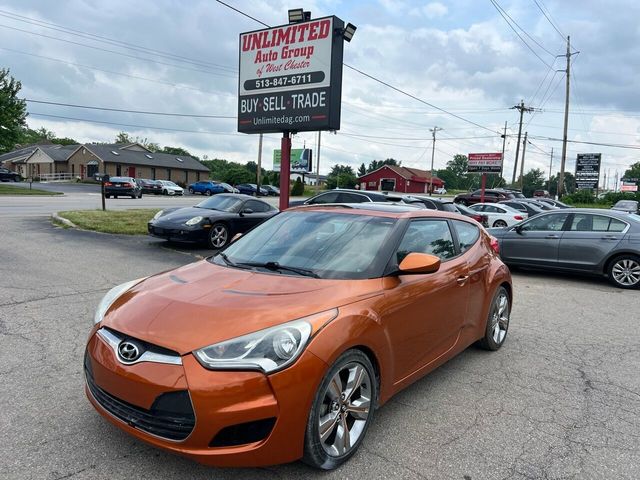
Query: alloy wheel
218,236
345,409
500,223
626,272
500,318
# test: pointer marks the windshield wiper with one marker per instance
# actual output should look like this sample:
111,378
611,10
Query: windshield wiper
230,262
275,266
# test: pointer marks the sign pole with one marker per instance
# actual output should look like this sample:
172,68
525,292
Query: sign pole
102,193
259,170
285,170
483,186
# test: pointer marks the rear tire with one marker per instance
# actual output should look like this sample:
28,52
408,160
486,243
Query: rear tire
624,271
497,321
499,223
191,190
207,192
341,412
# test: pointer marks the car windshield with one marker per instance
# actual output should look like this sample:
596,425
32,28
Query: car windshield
224,203
627,204
322,244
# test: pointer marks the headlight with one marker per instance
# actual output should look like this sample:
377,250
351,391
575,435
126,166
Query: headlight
266,350
158,215
111,296
194,220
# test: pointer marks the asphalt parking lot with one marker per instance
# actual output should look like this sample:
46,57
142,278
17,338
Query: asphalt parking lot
561,399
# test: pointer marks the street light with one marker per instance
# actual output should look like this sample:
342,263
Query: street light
349,31
298,15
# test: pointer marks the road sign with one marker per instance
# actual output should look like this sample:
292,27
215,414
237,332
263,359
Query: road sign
588,171
291,77
628,187
485,163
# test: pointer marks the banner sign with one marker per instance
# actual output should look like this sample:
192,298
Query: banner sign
628,187
588,171
301,160
485,163
291,77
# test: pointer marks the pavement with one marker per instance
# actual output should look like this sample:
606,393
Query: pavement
561,399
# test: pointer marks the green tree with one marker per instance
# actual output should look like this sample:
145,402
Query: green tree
533,180
458,165
298,188
569,184
13,112
341,176
376,164
633,171
123,138
362,171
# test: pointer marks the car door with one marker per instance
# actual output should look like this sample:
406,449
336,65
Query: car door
259,212
426,311
588,240
534,242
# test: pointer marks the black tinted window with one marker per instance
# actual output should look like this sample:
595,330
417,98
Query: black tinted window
257,206
467,234
427,236
331,197
351,198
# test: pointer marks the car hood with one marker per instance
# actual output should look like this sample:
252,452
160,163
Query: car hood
201,304
181,215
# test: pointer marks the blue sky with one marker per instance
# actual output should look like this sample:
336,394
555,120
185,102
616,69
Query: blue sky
460,55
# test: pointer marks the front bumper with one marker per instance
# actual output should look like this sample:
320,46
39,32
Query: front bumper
268,413
182,233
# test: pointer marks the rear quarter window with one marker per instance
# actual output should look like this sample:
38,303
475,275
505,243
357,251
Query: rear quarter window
467,234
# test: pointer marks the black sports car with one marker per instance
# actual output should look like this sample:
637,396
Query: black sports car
213,221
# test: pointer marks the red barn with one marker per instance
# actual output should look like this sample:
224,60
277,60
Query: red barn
390,178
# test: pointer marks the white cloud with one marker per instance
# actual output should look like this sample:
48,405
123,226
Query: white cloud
431,10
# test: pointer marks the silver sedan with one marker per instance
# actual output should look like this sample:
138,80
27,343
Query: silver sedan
580,240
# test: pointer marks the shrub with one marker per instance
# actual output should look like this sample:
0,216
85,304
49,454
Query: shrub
298,188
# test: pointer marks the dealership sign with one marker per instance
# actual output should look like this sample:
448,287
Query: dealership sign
588,171
301,160
485,163
628,187
291,77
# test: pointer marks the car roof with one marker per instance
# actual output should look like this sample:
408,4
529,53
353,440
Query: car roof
380,209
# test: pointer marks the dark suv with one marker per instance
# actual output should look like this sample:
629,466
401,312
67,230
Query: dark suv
7,175
490,196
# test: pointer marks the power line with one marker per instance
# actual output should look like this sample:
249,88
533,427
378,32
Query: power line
495,2
562,35
371,77
516,32
142,112
111,72
111,41
115,52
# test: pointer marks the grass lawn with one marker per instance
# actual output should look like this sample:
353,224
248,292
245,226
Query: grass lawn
13,190
128,222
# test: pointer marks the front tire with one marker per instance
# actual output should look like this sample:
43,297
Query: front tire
499,223
341,412
624,271
218,236
497,321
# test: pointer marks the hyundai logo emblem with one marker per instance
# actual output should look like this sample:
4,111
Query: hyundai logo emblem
128,351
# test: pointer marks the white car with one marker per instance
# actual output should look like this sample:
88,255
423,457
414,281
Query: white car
440,191
170,188
500,215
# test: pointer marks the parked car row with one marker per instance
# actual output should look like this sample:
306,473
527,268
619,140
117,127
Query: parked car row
7,175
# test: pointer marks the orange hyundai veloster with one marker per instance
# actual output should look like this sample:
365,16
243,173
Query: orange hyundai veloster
282,346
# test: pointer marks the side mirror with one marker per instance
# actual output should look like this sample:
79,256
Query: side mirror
518,228
419,263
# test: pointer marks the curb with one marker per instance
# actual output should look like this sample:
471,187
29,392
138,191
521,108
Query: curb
57,218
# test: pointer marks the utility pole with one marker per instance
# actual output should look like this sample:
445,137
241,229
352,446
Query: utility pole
524,150
318,163
433,131
259,171
504,141
550,168
566,119
521,108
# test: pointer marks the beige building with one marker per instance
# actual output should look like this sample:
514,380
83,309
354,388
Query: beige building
134,161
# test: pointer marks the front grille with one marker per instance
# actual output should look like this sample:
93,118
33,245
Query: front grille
171,415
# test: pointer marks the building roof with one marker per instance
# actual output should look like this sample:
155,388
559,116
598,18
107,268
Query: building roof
21,153
58,153
118,153
407,173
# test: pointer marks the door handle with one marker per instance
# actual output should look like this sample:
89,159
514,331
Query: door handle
462,280
552,236
609,237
